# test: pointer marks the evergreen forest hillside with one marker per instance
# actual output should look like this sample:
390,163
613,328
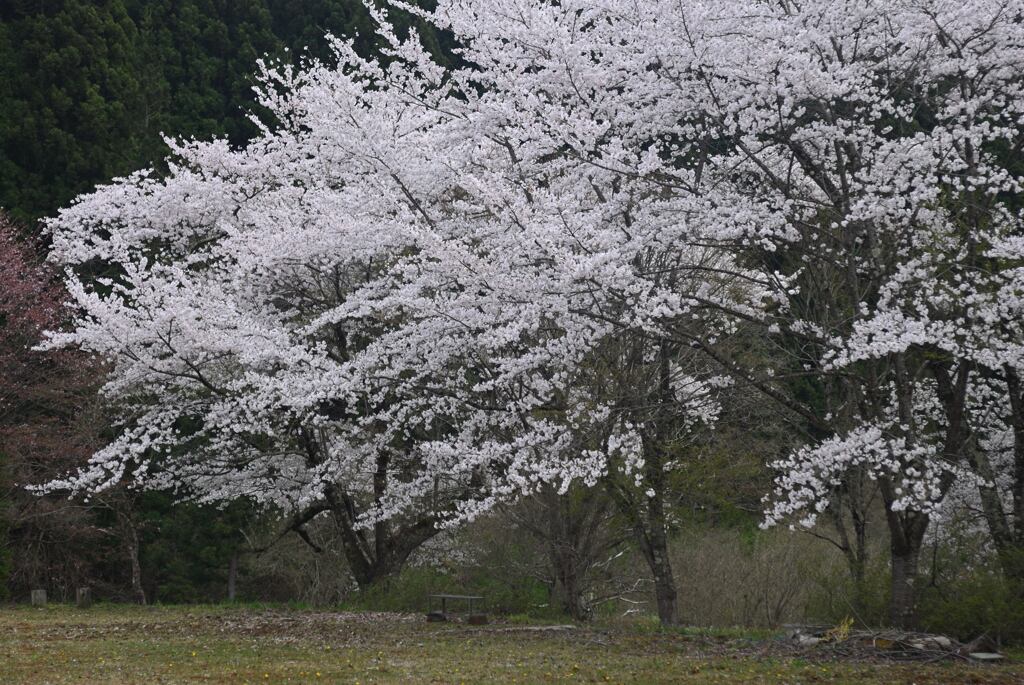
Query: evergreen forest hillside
89,88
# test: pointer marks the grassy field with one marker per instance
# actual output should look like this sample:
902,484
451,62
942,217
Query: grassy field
126,644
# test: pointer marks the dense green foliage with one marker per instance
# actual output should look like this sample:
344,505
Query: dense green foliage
70,84
89,87
186,549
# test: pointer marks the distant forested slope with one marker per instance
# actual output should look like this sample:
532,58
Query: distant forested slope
88,86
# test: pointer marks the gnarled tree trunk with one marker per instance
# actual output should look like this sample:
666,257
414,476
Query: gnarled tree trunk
376,560
374,554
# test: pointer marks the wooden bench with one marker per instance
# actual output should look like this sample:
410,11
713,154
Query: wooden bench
443,599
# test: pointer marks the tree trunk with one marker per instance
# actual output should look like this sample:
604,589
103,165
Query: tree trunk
379,571
906,537
374,555
568,588
132,547
1012,556
907,528
1000,527
661,569
654,477
648,525
564,560
232,576
653,539
378,559
903,606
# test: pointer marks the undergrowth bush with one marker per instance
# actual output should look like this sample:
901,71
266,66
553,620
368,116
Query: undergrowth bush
982,603
751,578
410,590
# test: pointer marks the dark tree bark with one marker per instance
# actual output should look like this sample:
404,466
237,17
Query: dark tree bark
656,552
569,582
232,576
1008,536
374,554
130,537
906,538
567,563
656,540
646,512
903,607
372,561
649,524
907,528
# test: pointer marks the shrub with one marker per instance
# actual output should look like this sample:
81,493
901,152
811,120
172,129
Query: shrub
980,602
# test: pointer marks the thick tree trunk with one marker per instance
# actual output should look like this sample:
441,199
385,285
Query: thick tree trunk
649,528
906,537
565,562
373,556
654,477
568,588
654,543
903,607
907,528
378,573
1000,527
372,561
664,584
1016,392
1011,556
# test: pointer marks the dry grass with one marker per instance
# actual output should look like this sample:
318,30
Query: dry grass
124,644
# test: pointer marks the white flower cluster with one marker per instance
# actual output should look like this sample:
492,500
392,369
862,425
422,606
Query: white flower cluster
808,477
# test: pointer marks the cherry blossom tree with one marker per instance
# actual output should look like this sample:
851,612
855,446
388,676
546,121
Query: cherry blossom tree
375,311
840,175
422,291
913,196
850,164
